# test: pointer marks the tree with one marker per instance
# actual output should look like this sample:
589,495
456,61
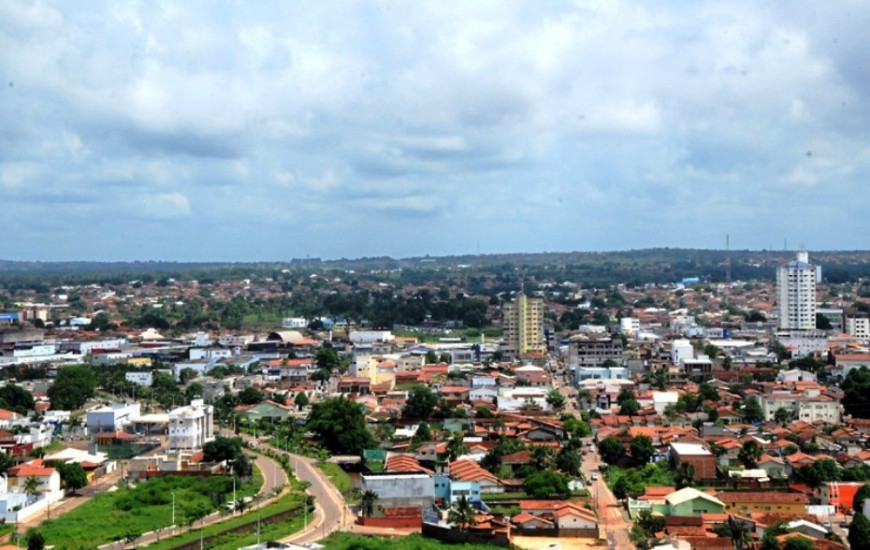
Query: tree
630,407
611,450
798,543
620,488
856,393
367,503
555,399
301,400
541,459
423,433
15,398
420,403
625,394
340,426
568,460
642,449
708,392
750,453
431,358
327,360
193,391
711,351
73,477
823,323
859,533
72,387
462,514
456,446
545,484
35,541
684,476
782,416
31,487
861,495
251,396
752,411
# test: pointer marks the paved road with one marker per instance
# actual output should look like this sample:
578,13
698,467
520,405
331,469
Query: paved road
331,514
612,521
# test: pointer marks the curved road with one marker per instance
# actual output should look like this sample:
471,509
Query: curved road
331,513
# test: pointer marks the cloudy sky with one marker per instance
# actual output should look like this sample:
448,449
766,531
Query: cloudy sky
272,130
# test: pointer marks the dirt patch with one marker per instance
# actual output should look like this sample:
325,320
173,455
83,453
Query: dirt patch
556,543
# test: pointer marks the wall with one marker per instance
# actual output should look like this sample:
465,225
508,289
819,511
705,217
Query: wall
447,534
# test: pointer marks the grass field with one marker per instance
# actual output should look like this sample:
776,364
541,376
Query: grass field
346,541
148,506
339,477
235,540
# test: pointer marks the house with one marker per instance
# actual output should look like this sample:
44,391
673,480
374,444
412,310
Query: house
696,454
692,502
566,518
401,490
744,502
49,478
468,470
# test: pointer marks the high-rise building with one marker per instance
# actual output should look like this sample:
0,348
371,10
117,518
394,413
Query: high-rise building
796,293
524,325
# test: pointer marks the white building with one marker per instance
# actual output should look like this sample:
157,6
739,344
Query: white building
809,406
112,418
191,427
681,350
198,354
858,326
796,293
294,322
370,336
144,379
629,326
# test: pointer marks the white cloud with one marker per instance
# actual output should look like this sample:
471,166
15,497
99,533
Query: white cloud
565,119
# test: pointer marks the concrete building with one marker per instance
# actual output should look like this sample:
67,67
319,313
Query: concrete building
144,379
796,293
524,326
858,325
697,455
112,418
809,406
593,351
191,427
401,490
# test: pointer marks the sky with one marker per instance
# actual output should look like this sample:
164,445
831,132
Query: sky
247,131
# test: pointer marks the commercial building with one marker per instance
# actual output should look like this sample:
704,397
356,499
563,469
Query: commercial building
796,293
524,326
594,352
113,418
191,427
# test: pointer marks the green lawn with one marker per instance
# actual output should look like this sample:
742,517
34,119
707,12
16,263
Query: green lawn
339,477
651,475
139,509
235,540
347,541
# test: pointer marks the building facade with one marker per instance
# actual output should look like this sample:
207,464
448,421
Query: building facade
524,326
796,293
191,427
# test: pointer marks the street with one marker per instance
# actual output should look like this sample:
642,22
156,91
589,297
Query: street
613,523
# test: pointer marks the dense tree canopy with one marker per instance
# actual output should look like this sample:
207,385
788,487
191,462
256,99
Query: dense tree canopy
856,393
72,387
611,450
340,426
421,403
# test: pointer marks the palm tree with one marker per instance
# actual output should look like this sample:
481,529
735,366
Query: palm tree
367,503
462,514
31,487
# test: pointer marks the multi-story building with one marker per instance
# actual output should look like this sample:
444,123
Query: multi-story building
808,406
191,427
592,352
796,293
524,326
858,325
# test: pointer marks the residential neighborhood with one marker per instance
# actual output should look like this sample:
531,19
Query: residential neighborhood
676,415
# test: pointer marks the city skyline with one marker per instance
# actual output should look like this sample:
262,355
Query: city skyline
223,132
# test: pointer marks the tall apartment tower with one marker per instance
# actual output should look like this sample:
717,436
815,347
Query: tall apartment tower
796,293
524,322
